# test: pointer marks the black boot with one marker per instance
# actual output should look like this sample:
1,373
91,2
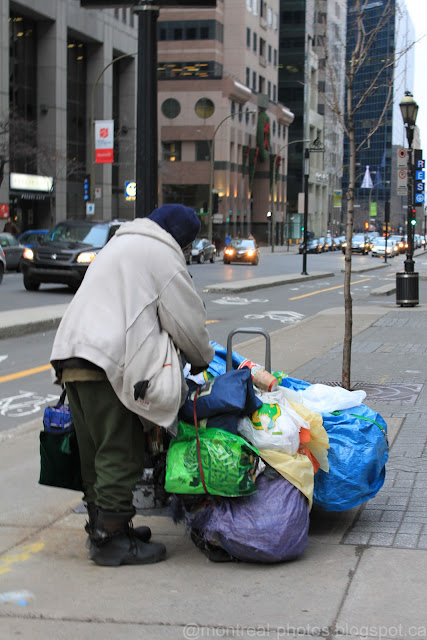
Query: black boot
142,533
113,542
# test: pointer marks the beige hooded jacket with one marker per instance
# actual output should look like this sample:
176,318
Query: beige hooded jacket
136,306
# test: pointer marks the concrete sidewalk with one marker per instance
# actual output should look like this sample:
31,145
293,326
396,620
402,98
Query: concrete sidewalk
363,574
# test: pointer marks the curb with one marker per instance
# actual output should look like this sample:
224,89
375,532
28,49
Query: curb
262,283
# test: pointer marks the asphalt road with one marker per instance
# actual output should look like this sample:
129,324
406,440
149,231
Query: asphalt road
25,379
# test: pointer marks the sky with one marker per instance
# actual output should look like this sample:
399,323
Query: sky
418,12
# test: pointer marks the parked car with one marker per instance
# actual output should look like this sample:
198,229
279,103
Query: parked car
202,250
64,255
32,236
2,264
379,247
340,240
241,250
13,251
331,242
314,245
360,244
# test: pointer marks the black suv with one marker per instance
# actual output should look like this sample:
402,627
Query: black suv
63,256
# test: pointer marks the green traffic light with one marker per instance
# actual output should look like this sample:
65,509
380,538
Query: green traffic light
413,222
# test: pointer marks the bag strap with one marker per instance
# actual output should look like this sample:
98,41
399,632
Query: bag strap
199,456
61,400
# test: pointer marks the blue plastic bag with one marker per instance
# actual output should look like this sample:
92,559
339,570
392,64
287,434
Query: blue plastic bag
357,456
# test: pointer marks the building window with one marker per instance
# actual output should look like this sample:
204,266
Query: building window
249,4
274,93
270,50
270,17
124,11
261,83
76,101
262,44
186,70
255,6
204,108
253,80
275,57
240,112
279,130
248,37
202,150
275,22
262,7
255,43
233,109
172,151
248,77
269,89
274,127
171,108
190,30
247,115
22,96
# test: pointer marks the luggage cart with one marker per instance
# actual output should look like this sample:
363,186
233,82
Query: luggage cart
252,331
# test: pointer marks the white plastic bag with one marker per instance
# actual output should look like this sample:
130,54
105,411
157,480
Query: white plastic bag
275,426
322,398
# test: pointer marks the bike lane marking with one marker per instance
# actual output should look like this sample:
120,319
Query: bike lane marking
340,286
26,372
20,556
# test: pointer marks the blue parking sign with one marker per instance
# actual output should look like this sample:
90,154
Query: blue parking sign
419,198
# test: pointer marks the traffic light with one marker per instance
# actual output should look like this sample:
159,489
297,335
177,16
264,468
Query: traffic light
86,188
413,219
366,225
215,203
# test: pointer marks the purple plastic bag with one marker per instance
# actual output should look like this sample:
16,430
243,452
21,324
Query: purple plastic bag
269,526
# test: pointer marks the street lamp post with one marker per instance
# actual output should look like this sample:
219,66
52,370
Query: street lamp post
407,282
316,146
211,171
306,176
273,191
92,122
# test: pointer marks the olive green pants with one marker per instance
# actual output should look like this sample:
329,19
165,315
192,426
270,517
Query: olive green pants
111,444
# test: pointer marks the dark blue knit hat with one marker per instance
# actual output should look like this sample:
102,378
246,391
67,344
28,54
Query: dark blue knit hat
180,221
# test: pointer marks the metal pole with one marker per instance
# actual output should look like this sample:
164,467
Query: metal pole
409,262
386,220
306,175
146,131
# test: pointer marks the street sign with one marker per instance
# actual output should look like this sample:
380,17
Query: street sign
419,175
90,208
337,198
402,158
98,192
419,163
130,190
419,198
402,182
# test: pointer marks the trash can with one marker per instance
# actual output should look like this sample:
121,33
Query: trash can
407,289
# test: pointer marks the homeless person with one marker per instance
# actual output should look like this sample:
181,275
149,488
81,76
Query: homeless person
118,350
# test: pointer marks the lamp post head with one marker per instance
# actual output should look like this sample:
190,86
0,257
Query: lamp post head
409,110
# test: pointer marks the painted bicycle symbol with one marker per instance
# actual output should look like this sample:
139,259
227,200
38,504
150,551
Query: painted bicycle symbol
25,404
285,317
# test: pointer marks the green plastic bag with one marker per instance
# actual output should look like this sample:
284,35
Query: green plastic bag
228,463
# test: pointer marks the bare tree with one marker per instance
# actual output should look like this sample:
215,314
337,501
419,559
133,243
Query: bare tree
362,37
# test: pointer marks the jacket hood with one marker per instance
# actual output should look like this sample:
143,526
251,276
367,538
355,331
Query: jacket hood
180,221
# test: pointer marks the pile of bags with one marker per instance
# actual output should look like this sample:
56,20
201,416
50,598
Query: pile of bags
248,464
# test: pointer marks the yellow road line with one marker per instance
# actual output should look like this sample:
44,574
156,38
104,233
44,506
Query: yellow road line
314,293
22,374
19,556
210,321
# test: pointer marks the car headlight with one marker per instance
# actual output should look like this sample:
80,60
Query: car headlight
344,244
28,254
86,257
229,252
250,253
361,246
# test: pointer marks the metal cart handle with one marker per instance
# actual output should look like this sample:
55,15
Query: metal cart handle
256,330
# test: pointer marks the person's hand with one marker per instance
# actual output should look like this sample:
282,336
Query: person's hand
195,369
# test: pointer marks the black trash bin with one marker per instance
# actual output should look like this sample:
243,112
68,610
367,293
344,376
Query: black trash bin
407,289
